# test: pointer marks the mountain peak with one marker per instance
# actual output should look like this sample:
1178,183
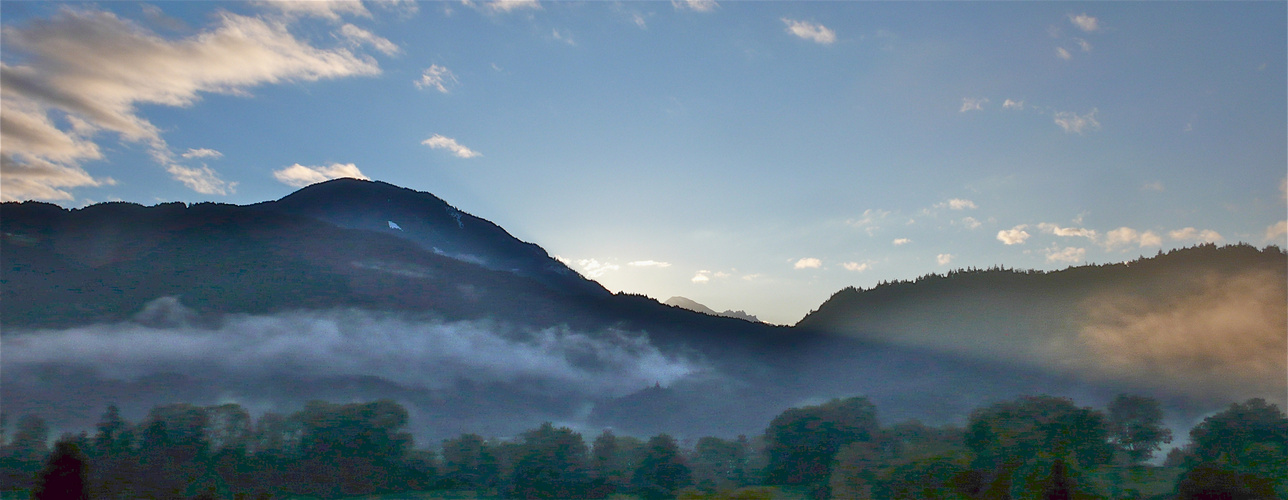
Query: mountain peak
692,305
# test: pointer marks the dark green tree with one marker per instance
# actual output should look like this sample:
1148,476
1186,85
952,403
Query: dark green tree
64,475
718,464
1136,426
469,462
1007,436
24,454
1242,448
353,449
662,471
550,463
801,442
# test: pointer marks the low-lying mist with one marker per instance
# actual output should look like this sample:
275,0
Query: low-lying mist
262,361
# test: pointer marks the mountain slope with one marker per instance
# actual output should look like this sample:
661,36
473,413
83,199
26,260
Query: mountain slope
1205,322
692,305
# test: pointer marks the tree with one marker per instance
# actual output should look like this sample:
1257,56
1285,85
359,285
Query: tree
353,449
662,470
1136,426
801,442
1021,429
718,464
63,477
1244,448
551,463
468,462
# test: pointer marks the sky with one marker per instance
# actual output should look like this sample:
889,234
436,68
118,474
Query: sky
753,156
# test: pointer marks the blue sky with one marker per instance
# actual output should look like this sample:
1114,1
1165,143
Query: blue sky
755,156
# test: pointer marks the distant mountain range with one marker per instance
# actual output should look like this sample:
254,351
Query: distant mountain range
354,289
690,304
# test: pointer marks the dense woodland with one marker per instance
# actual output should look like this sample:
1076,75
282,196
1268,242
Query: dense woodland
1030,447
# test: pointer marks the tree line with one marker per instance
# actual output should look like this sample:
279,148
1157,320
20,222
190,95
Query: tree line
1029,447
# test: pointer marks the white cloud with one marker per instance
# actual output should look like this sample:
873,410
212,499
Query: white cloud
1067,231
440,142
1075,123
808,263
299,175
971,223
1010,104
648,263
1083,44
901,241
1275,232
358,36
944,258
202,180
511,5
1191,234
41,180
695,5
702,277
326,9
94,70
593,268
1067,254
809,31
1126,236
1084,22
973,104
437,78
202,153
957,204
856,266
639,20
1062,53
1013,236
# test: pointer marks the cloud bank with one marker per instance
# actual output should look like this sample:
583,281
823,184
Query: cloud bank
299,176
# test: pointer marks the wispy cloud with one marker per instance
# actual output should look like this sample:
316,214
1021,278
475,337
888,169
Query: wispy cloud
1067,232
327,9
1153,186
1075,123
944,258
1191,234
971,223
1275,232
1127,237
300,175
1063,53
593,268
810,31
695,5
202,180
973,104
901,241
1012,104
1084,22
1068,255
808,263
857,267
511,5
436,77
1083,44
358,36
74,69
450,144
648,263
957,204
202,153
562,36
701,277
1013,236
870,221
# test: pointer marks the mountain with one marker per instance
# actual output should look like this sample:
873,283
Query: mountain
690,304
1205,322
358,290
